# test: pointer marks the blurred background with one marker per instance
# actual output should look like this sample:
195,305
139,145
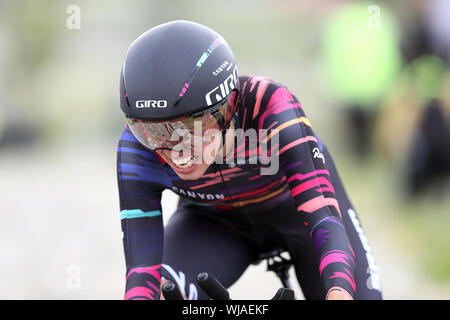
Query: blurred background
373,78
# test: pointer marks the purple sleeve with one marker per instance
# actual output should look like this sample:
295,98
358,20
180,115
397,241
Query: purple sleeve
140,187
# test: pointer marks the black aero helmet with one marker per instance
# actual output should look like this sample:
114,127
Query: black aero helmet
176,69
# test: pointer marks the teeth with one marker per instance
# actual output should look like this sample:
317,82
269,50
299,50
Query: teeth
184,162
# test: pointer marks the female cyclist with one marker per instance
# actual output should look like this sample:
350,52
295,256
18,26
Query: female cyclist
249,169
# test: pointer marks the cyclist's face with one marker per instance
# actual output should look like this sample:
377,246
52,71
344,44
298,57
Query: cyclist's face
192,160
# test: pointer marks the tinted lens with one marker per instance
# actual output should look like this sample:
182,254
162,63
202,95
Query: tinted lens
158,135
189,130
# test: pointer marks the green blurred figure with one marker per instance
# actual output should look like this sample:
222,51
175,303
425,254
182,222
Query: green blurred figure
362,58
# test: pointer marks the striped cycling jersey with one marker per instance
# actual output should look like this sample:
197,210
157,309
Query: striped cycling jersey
271,111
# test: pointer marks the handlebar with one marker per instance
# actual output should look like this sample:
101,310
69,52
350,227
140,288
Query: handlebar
212,286
215,290
171,291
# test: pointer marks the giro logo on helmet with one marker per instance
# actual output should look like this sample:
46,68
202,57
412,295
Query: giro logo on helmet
224,89
151,104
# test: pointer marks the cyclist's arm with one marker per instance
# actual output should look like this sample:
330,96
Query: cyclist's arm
312,190
141,218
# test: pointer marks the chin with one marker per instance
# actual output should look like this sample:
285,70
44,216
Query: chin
194,175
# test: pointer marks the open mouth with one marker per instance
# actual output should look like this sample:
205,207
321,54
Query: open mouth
182,165
185,162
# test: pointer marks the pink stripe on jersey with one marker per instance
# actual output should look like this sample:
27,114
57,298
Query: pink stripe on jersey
153,270
300,176
262,87
277,104
297,142
333,257
311,184
139,292
317,203
346,277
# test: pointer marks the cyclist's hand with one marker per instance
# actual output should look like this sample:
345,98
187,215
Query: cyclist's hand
338,295
163,282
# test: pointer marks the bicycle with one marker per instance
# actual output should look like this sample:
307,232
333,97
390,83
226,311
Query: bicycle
216,291
276,263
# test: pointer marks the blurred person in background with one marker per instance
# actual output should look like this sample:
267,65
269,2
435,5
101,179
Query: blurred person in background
361,57
414,124
32,41
428,157
428,162
181,73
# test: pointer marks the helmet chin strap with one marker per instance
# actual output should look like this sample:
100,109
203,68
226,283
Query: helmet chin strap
224,132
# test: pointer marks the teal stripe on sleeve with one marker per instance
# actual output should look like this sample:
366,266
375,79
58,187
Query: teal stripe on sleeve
138,213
